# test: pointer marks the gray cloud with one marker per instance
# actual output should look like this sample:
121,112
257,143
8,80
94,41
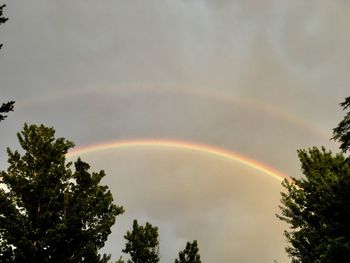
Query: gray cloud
262,78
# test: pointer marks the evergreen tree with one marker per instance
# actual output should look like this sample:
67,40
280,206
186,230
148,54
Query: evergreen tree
142,243
8,106
50,212
189,254
5,108
2,18
317,206
120,260
342,132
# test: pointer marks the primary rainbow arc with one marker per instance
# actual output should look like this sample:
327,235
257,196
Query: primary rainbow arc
184,145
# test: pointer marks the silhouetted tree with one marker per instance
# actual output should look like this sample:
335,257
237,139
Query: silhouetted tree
342,132
120,260
2,18
50,212
317,206
142,243
5,108
189,254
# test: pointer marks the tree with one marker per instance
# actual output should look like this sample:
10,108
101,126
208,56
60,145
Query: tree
5,108
342,132
142,243
2,18
50,212
120,260
189,254
317,206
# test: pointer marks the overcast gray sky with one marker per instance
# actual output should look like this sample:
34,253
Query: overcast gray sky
261,78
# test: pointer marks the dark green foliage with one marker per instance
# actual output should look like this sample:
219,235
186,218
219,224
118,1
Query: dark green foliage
120,260
317,208
189,254
2,18
5,108
48,211
142,243
342,132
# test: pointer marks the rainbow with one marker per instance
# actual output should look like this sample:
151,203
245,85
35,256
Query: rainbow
183,145
249,103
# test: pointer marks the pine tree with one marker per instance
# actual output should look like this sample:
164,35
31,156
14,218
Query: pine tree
189,254
142,243
50,212
5,108
120,260
342,132
8,106
2,18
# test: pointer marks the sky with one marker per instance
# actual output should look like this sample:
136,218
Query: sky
257,78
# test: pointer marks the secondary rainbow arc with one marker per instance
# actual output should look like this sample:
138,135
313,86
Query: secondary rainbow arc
184,145
206,93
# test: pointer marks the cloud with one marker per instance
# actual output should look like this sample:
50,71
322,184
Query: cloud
262,78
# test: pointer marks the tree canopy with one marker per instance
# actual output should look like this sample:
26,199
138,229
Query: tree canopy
2,18
8,106
189,254
50,212
5,108
317,206
142,243
342,132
